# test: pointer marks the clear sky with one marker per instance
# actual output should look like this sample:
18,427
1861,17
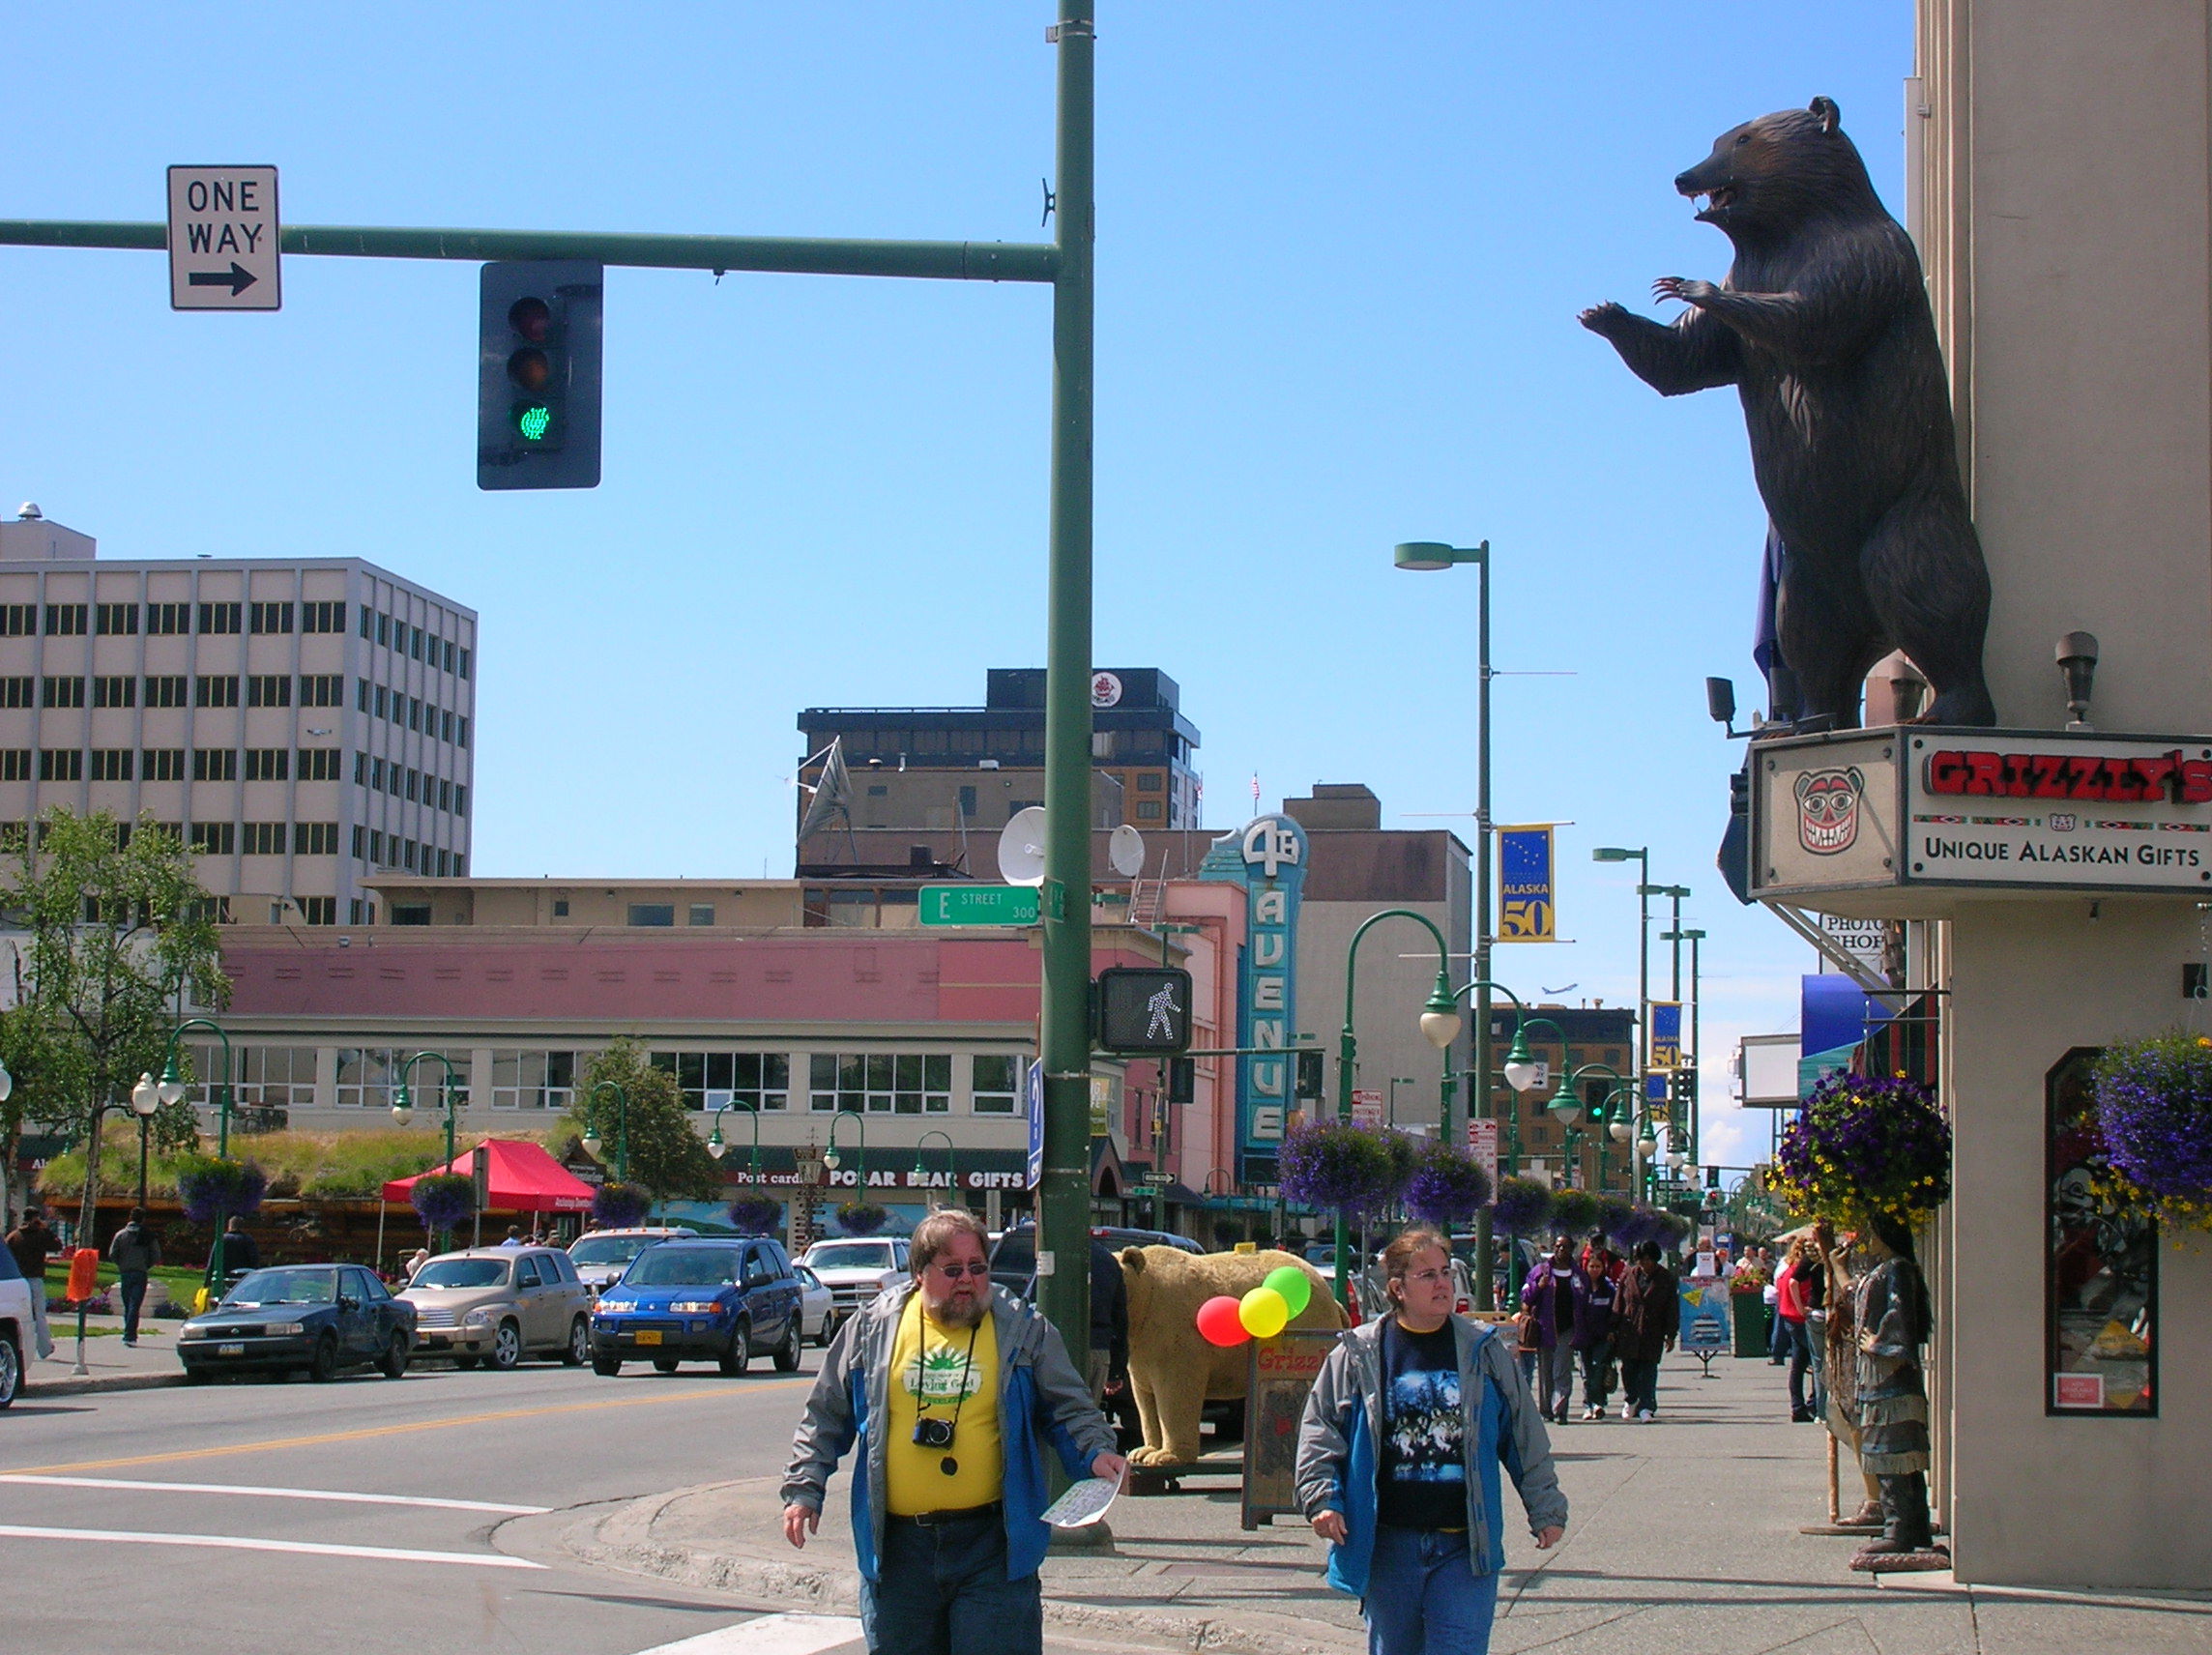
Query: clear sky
1341,251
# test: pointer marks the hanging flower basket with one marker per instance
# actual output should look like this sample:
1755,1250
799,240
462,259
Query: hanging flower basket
442,1200
756,1214
1335,1164
1615,1217
862,1218
1521,1207
620,1207
2154,1111
1865,1146
212,1191
1447,1187
1574,1212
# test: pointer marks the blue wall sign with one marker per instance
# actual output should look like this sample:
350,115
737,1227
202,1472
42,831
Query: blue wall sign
1268,856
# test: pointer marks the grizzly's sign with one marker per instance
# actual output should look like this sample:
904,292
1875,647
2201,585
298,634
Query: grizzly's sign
1981,808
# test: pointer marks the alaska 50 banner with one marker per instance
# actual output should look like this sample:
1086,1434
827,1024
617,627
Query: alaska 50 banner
1524,912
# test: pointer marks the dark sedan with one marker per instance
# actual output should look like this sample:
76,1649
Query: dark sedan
311,1319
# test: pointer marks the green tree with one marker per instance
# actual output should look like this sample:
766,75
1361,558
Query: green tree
666,1155
117,934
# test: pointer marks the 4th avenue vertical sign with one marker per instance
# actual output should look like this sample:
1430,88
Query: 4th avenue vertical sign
222,239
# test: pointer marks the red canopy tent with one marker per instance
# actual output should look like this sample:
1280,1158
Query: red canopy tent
524,1178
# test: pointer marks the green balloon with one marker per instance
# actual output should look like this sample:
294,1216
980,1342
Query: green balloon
1294,1284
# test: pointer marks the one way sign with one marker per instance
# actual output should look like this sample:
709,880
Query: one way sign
222,239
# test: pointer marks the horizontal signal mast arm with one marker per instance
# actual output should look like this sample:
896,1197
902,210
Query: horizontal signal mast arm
942,261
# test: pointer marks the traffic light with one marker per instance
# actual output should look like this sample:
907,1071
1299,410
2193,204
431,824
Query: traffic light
1309,1077
1183,1079
538,374
1143,1010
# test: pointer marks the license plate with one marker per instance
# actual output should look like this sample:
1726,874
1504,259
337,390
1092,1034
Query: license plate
230,1350
651,1336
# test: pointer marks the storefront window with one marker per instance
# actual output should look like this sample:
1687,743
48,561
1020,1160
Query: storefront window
2102,1265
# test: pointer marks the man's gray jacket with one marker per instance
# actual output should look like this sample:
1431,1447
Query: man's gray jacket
1041,1398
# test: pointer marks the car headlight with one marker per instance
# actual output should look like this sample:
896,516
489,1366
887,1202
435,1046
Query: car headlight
696,1307
193,1333
283,1329
616,1306
476,1318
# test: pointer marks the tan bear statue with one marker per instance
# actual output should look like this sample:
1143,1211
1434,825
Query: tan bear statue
1174,1371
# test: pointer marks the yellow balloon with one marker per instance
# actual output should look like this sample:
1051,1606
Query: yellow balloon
1263,1312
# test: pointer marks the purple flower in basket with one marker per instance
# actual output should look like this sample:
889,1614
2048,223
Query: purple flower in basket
1574,1212
862,1218
756,1214
1615,1215
212,1191
620,1207
2154,1110
1864,1144
1448,1185
1521,1207
442,1200
1334,1164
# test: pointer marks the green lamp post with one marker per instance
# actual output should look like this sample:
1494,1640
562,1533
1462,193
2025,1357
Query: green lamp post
831,1159
717,1147
1440,1024
1696,1054
591,1138
171,1086
922,1168
403,1105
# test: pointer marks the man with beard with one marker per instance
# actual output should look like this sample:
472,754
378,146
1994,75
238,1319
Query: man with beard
956,1387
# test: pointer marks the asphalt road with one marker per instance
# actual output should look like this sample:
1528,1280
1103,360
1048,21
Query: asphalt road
385,1516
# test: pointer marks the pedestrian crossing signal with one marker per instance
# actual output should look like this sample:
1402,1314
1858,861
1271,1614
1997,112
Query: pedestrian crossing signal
1309,1077
1143,1010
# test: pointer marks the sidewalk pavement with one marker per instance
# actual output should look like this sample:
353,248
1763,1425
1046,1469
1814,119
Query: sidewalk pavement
110,1364
1684,1537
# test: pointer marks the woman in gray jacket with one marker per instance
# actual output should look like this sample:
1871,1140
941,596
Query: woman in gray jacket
1398,1460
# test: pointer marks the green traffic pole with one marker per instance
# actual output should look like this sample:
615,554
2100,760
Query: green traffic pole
1063,1196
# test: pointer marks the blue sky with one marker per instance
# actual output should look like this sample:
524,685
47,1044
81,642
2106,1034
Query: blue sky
1340,254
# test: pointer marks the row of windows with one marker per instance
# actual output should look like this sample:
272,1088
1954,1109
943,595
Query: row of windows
170,689
168,619
875,1083
405,710
384,849
415,787
426,647
266,838
168,763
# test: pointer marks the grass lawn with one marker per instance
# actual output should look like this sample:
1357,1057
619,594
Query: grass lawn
180,1280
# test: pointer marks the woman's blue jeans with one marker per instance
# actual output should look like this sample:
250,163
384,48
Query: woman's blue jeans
1423,1596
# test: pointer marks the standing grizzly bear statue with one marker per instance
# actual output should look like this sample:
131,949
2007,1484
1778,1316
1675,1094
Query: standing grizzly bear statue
1173,1369
1823,327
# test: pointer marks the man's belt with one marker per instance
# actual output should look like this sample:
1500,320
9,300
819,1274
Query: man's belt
961,1514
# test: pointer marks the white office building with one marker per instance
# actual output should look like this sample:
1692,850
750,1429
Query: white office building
301,722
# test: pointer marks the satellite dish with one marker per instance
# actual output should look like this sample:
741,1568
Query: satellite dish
1126,849
1021,847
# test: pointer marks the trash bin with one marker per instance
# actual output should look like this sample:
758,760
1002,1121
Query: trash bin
1747,1315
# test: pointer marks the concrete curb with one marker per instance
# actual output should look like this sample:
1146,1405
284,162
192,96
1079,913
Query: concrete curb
623,1539
34,1389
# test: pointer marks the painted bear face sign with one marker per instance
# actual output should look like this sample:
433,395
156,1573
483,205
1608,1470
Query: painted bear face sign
1828,810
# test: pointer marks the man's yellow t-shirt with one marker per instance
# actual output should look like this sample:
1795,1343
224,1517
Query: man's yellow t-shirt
935,1371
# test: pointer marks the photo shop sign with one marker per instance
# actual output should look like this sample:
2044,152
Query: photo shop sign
1982,810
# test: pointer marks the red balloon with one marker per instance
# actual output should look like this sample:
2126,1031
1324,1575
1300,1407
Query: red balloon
1219,1322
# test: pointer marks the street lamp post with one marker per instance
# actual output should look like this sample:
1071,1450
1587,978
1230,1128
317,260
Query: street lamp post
591,1138
715,1145
172,1082
1439,1026
145,1098
1697,1054
952,1172
1424,556
833,1160
1566,1108
403,1105
1644,892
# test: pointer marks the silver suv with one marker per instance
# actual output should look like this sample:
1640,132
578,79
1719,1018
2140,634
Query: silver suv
497,1305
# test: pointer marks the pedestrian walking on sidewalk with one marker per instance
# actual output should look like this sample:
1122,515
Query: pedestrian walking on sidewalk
1549,1297
1596,1295
1397,1462
32,1242
954,1389
1646,1322
134,1253
1789,1318
240,1251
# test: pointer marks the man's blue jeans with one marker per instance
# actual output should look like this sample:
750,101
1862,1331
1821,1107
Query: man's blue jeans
132,1286
1424,1598
942,1589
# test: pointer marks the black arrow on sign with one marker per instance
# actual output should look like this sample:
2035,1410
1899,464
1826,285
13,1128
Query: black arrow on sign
237,278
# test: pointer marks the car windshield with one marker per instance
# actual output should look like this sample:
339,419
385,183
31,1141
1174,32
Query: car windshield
609,1249
461,1273
851,1256
684,1268
284,1287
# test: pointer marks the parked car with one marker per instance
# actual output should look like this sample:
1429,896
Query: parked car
601,1256
700,1300
857,1267
16,1334
315,1319
818,1318
1013,1256
497,1305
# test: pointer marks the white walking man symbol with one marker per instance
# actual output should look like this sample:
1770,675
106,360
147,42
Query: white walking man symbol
1160,1006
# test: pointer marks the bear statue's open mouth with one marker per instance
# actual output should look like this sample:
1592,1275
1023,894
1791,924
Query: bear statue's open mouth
1718,200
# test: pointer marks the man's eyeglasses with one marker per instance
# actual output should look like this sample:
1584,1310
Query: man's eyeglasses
953,1272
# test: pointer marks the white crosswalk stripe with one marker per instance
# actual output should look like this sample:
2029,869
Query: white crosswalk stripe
247,1543
264,1492
769,1635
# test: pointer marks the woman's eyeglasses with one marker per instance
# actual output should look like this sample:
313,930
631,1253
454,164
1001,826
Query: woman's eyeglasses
1425,1275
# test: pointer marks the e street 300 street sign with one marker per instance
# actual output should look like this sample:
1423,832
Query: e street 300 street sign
222,239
